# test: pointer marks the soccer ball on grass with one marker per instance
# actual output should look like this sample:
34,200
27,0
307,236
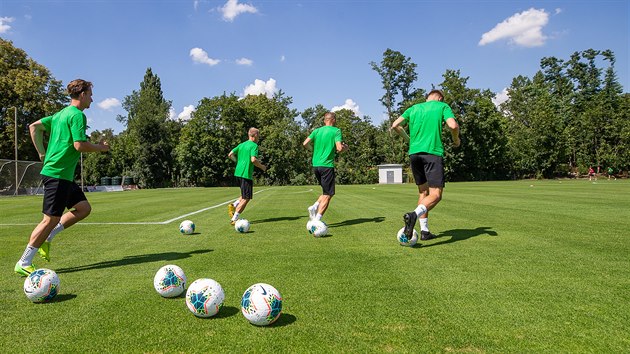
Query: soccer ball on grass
241,225
317,228
204,297
187,227
41,285
404,240
170,281
261,304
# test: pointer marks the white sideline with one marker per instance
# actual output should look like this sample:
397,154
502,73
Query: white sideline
149,222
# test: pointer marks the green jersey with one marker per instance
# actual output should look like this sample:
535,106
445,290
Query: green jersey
425,126
244,152
65,127
325,145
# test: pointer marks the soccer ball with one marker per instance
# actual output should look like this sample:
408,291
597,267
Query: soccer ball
309,224
317,228
261,304
204,297
169,281
42,285
187,227
404,241
241,225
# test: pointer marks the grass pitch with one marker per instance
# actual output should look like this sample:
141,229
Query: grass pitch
526,266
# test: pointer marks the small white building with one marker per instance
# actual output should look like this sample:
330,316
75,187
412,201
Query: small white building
390,173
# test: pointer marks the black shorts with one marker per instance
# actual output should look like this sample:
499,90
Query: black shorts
427,168
60,194
326,178
247,187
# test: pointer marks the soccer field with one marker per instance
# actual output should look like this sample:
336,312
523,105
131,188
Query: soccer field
525,266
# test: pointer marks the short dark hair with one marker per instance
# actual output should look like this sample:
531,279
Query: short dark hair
439,92
78,86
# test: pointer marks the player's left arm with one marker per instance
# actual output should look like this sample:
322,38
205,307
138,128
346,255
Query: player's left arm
396,126
307,144
231,156
37,130
454,127
257,163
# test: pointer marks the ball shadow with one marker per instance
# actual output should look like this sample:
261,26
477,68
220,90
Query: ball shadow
227,311
285,319
61,298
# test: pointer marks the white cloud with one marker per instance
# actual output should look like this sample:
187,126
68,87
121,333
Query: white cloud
232,8
282,59
523,29
172,114
267,88
4,24
185,115
244,61
351,105
108,103
198,55
501,97
195,4
558,11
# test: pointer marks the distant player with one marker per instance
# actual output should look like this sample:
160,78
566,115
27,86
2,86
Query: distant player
426,153
246,157
326,142
67,142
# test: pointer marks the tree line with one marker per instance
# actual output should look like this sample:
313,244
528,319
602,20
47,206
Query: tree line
570,115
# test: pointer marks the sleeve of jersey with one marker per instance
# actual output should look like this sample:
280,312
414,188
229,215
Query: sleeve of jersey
77,127
46,122
448,112
338,136
254,151
406,115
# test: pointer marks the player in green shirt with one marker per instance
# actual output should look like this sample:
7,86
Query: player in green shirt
425,121
326,143
67,142
246,157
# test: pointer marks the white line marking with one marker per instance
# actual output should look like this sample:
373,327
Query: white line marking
148,222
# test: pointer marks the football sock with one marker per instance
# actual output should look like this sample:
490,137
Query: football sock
424,224
318,217
55,231
316,205
27,256
235,217
421,209
236,203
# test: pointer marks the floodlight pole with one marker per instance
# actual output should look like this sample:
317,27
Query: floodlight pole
16,151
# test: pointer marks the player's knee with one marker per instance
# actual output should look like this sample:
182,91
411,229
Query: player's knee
83,209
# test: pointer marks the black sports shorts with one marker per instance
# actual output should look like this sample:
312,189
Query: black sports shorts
326,178
247,187
60,194
428,168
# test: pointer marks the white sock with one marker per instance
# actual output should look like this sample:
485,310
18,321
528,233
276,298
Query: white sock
55,231
421,209
318,217
316,205
27,256
236,203
235,217
424,224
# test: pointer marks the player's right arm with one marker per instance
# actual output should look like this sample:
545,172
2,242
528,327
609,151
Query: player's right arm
86,146
452,124
307,144
37,130
231,156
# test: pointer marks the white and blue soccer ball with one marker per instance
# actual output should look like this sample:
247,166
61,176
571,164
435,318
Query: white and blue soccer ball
204,297
241,225
41,285
261,304
404,240
170,281
317,228
187,227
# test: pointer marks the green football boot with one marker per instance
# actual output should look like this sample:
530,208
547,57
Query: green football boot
44,251
24,271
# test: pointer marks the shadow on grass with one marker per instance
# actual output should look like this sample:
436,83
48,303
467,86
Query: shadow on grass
462,234
358,221
284,218
143,258
285,319
227,311
61,298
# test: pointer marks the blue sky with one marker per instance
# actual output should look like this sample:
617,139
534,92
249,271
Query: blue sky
317,52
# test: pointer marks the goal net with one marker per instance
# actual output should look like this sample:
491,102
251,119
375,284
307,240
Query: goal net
20,177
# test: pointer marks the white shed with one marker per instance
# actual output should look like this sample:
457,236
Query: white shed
390,173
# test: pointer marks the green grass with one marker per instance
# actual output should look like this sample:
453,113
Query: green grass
527,266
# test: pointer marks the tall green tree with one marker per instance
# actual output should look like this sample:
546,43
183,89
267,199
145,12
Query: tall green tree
398,73
31,88
152,134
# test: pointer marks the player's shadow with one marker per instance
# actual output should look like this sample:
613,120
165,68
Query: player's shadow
358,221
461,235
128,260
283,218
